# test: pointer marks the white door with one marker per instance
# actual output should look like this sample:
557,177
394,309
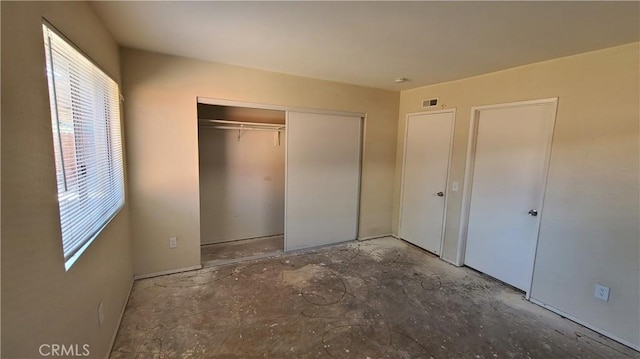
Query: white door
509,174
323,179
425,172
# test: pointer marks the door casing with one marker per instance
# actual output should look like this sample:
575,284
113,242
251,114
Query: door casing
287,109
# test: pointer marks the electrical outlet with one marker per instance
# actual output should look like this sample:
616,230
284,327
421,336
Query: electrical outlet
602,292
173,242
100,313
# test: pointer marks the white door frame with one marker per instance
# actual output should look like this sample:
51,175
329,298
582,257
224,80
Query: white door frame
468,177
404,162
287,109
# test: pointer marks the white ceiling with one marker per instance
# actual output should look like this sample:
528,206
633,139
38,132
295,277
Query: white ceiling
371,43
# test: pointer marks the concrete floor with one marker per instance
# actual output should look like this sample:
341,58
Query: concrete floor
222,253
375,299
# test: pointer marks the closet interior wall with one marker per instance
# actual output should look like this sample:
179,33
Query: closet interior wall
242,174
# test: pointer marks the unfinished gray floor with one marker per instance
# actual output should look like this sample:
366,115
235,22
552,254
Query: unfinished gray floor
375,299
220,253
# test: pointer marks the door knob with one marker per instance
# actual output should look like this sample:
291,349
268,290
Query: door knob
533,213
440,194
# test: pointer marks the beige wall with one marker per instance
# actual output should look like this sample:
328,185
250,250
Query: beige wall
162,141
41,303
241,184
590,220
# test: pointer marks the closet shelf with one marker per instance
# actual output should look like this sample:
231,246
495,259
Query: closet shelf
238,125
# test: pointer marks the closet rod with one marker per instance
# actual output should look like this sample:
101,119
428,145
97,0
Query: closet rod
261,124
246,128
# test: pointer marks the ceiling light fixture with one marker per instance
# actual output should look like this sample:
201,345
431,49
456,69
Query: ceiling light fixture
400,80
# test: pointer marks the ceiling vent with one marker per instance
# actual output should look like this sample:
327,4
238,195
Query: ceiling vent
430,103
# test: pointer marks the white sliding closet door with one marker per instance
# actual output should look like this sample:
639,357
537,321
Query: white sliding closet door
323,179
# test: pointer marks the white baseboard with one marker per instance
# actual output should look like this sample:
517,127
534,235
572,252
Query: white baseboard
115,332
451,261
395,236
375,237
587,325
165,272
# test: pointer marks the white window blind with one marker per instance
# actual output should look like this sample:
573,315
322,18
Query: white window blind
85,116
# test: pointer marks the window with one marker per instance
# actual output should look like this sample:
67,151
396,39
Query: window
85,117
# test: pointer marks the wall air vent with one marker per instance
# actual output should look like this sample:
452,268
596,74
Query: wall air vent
430,103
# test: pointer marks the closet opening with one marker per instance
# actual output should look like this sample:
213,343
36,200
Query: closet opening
242,182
